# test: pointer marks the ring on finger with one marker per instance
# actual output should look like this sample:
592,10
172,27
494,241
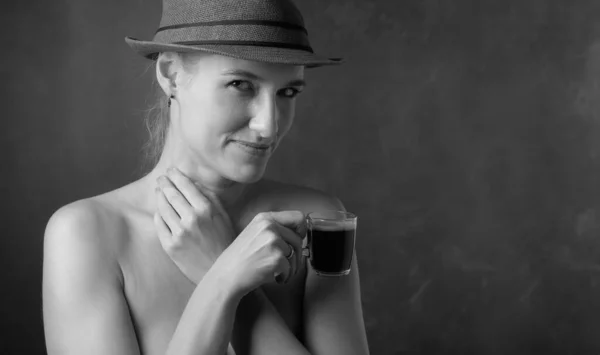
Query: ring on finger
291,253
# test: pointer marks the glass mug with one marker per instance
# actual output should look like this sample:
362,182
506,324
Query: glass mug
330,242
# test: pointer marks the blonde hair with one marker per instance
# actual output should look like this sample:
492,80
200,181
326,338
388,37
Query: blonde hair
157,121
157,118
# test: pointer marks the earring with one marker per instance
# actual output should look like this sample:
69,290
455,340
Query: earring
169,102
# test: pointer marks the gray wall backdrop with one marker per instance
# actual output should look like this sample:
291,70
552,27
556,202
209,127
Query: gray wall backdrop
464,133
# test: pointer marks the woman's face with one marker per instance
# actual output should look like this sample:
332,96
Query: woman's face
233,113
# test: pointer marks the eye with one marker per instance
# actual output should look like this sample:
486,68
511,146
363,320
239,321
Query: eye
289,92
241,85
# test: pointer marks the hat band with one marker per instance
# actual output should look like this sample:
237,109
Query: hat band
241,34
281,24
249,43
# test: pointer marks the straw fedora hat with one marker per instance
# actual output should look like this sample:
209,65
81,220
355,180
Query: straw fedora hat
269,31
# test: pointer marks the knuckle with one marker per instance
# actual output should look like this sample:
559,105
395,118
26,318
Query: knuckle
194,214
188,221
271,238
261,216
275,261
279,254
275,251
204,210
265,225
261,224
178,234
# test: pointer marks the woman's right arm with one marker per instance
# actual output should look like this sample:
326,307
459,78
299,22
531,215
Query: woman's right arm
207,321
84,309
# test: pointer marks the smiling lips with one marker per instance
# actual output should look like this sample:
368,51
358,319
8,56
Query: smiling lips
254,145
257,149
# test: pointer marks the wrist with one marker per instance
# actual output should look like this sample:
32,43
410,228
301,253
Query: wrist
223,284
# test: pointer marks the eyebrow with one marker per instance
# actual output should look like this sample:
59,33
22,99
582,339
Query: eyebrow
249,75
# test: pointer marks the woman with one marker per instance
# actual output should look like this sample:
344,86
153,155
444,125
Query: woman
203,255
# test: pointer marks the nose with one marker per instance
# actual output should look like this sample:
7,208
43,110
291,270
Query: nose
265,117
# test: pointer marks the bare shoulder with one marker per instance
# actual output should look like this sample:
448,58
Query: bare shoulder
84,306
285,196
89,227
87,218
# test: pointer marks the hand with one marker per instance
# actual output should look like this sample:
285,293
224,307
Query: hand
193,228
259,254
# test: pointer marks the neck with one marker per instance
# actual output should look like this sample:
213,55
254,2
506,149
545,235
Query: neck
228,191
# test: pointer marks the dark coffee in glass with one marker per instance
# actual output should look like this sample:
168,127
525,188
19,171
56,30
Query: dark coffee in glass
330,242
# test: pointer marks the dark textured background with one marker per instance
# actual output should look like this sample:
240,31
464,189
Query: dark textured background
464,133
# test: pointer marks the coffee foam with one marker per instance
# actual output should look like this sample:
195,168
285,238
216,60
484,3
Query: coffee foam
329,225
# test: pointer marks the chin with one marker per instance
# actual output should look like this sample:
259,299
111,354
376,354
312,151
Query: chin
247,174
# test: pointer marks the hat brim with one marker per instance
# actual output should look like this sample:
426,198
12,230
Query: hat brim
150,50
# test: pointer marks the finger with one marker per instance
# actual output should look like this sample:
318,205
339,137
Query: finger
179,203
290,253
284,271
166,211
164,234
295,241
295,220
292,240
188,189
294,261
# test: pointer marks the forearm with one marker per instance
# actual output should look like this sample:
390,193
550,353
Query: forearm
206,323
259,329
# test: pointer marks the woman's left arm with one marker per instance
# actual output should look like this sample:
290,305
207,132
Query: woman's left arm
333,317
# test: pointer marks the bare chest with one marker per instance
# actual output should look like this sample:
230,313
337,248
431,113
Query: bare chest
157,292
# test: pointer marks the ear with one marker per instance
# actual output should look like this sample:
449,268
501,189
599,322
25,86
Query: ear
168,66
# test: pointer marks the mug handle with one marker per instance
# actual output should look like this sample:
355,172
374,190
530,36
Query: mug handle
306,249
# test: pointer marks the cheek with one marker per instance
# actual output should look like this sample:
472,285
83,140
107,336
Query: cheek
286,118
229,112
214,115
